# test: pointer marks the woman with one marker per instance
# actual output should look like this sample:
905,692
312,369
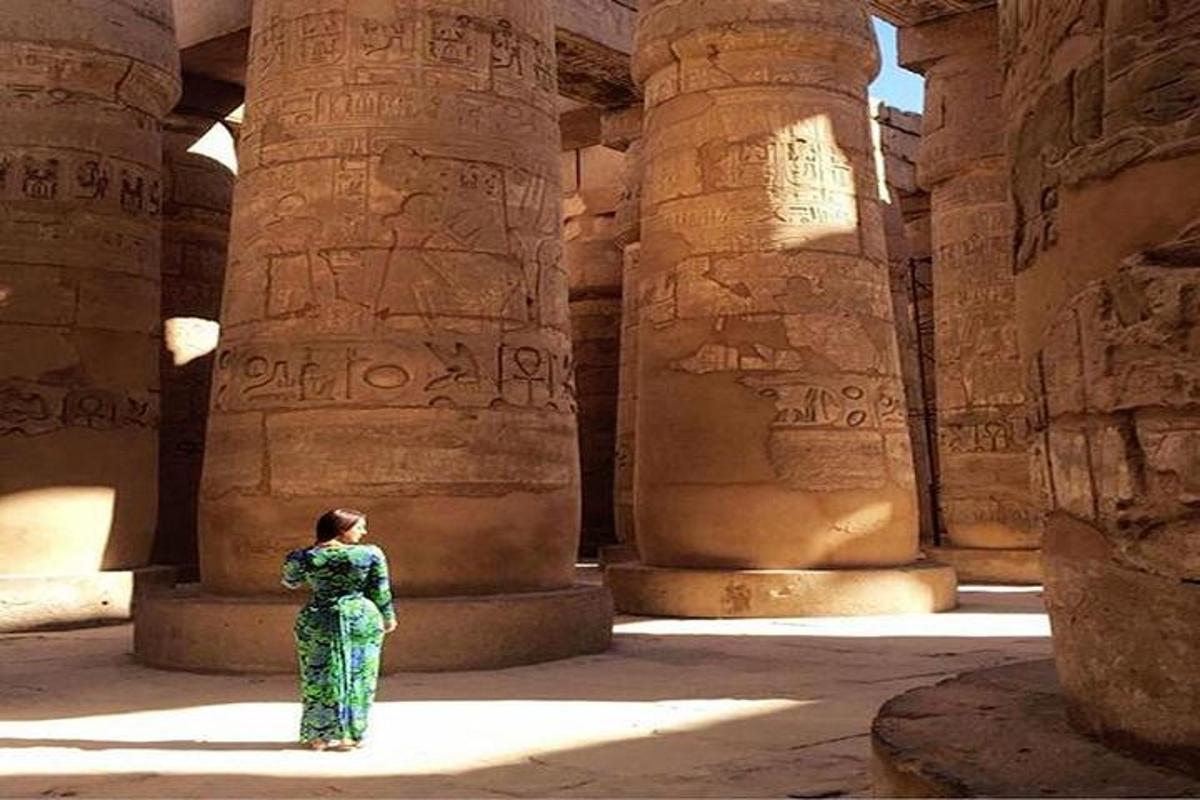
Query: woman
339,634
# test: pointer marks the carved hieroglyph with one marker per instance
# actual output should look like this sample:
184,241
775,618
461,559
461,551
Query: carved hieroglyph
984,493
1104,108
898,139
197,197
771,415
84,85
395,328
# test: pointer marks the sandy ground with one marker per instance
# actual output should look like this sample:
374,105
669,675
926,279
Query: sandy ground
677,708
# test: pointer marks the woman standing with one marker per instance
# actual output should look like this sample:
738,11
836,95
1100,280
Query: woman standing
339,634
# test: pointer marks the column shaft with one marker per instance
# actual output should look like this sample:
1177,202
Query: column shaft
395,329
771,417
984,492
1101,99
84,85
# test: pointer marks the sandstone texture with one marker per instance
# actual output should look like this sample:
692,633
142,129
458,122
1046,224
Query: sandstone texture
1105,144
897,139
984,492
197,198
771,426
395,330
1002,732
84,86
593,259
629,232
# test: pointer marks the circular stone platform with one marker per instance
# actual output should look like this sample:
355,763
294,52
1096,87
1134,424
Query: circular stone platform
47,602
187,629
1002,732
671,592
985,565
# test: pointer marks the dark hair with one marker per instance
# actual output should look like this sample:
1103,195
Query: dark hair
333,524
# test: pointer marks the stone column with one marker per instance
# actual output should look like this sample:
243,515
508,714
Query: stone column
1100,100
84,85
774,471
1106,165
992,526
898,138
593,260
629,228
197,197
395,338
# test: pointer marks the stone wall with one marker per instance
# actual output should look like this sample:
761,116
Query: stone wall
1103,100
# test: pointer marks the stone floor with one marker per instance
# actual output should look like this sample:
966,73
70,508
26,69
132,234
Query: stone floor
678,708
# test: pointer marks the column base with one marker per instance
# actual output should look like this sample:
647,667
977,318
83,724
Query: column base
671,592
985,565
1002,732
188,629
618,554
49,602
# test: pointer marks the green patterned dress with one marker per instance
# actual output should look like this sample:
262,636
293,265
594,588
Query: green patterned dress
339,635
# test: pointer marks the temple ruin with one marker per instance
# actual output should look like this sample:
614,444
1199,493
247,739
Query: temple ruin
652,286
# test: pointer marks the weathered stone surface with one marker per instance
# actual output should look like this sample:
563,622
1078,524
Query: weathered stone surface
897,139
992,565
395,309
920,588
83,89
1105,142
625,458
192,630
1002,732
197,197
770,413
48,602
592,257
984,490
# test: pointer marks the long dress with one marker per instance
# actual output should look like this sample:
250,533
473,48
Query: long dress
339,635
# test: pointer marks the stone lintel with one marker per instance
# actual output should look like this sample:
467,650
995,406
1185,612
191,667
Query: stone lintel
921,45
581,127
913,12
621,127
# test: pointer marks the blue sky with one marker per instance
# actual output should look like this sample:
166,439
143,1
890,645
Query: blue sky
897,86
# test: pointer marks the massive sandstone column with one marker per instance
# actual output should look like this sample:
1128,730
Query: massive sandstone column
1106,163
992,527
629,234
593,260
395,338
1104,137
771,427
197,196
897,137
84,85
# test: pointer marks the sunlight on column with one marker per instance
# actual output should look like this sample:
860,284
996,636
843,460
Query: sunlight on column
86,511
189,338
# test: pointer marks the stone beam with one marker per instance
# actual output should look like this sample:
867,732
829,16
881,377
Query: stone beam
911,12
